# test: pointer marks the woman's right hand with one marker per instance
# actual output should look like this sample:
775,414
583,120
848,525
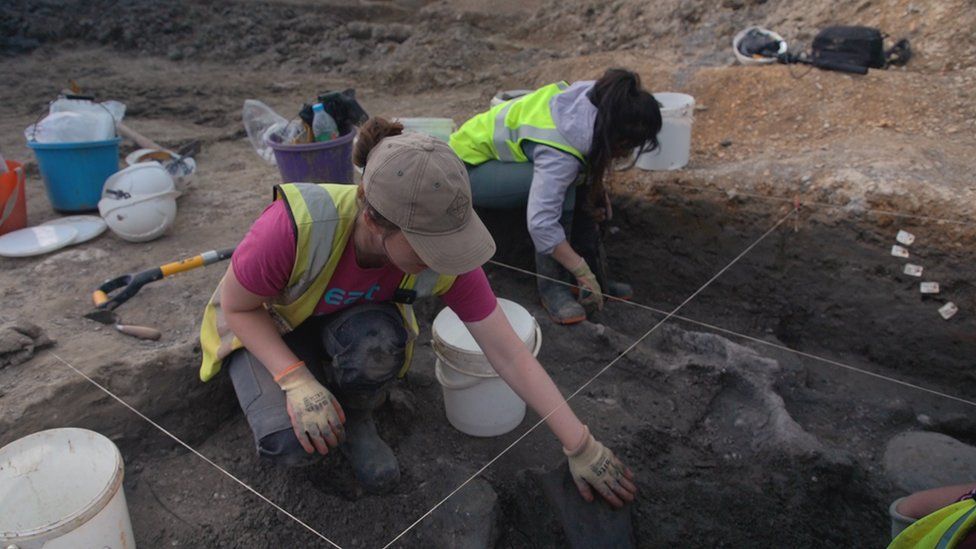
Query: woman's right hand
316,415
593,296
594,467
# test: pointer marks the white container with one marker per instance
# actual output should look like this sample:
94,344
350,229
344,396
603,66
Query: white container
62,489
441,128
750,60
677,112
476,400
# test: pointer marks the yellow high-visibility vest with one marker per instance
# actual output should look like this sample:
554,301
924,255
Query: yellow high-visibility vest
943,529
323,216
498,134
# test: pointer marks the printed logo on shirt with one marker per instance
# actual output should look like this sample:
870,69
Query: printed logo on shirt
338,296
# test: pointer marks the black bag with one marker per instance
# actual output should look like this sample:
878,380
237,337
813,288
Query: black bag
849,46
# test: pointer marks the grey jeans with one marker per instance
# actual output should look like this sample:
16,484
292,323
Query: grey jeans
355,353
505,185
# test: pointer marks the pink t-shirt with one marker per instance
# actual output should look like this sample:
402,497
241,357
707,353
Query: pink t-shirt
264,259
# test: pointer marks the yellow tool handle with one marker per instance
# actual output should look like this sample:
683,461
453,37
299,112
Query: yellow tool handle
182,265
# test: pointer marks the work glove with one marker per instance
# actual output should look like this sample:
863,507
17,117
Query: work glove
590,293
593,466
315,414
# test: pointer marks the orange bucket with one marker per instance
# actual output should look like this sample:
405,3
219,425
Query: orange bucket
13,203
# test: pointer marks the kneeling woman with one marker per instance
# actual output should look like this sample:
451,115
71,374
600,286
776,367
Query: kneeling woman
313,318
544,149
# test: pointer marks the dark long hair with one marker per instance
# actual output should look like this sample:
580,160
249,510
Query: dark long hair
627,117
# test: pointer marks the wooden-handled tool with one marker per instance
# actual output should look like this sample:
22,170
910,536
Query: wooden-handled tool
139,139
106,316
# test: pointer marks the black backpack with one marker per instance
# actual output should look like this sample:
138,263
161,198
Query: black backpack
856,47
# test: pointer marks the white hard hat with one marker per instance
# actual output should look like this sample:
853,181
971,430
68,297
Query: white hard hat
181,168
747,40
139,203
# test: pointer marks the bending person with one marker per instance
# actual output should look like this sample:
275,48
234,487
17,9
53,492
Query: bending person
313,318
552,151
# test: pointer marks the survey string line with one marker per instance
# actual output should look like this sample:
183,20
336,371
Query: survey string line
198,454
748,337
771,198
592,379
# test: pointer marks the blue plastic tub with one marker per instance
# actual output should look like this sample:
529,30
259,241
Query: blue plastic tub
74,173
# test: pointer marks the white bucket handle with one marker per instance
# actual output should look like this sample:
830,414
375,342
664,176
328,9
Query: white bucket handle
471,382
434,344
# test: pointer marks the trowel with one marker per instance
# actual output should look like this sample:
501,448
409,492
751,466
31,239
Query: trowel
109,317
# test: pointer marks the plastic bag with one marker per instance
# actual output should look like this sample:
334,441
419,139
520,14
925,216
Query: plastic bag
71,127
113,108
74,120
262,124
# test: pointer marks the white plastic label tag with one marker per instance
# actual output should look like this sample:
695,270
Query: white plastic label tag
948,310
898,251
929,287
905,238
913,270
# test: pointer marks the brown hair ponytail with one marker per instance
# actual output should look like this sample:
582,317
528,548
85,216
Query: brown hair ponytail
370,134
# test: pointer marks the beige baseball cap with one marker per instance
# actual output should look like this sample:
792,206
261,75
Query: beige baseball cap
421,186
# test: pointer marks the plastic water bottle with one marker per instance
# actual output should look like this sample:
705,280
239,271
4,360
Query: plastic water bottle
323,125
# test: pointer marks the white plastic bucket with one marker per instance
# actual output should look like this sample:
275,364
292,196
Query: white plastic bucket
62,489
441,128
476,400
677,112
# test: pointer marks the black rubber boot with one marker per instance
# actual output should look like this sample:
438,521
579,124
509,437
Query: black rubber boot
557,299
373,461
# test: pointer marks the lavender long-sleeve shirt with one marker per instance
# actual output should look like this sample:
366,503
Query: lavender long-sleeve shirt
554,170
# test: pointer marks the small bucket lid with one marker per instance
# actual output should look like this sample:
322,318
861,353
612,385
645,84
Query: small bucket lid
449,330
54,481
36,240
88,226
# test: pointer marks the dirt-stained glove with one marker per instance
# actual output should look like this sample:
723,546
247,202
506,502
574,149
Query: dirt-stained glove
315,414
593,465
593,296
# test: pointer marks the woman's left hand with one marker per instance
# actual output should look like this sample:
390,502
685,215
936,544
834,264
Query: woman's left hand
591,295
594,466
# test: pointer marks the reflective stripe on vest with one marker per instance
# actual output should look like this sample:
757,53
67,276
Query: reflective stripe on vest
323,217
955,533
322,231
499,133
